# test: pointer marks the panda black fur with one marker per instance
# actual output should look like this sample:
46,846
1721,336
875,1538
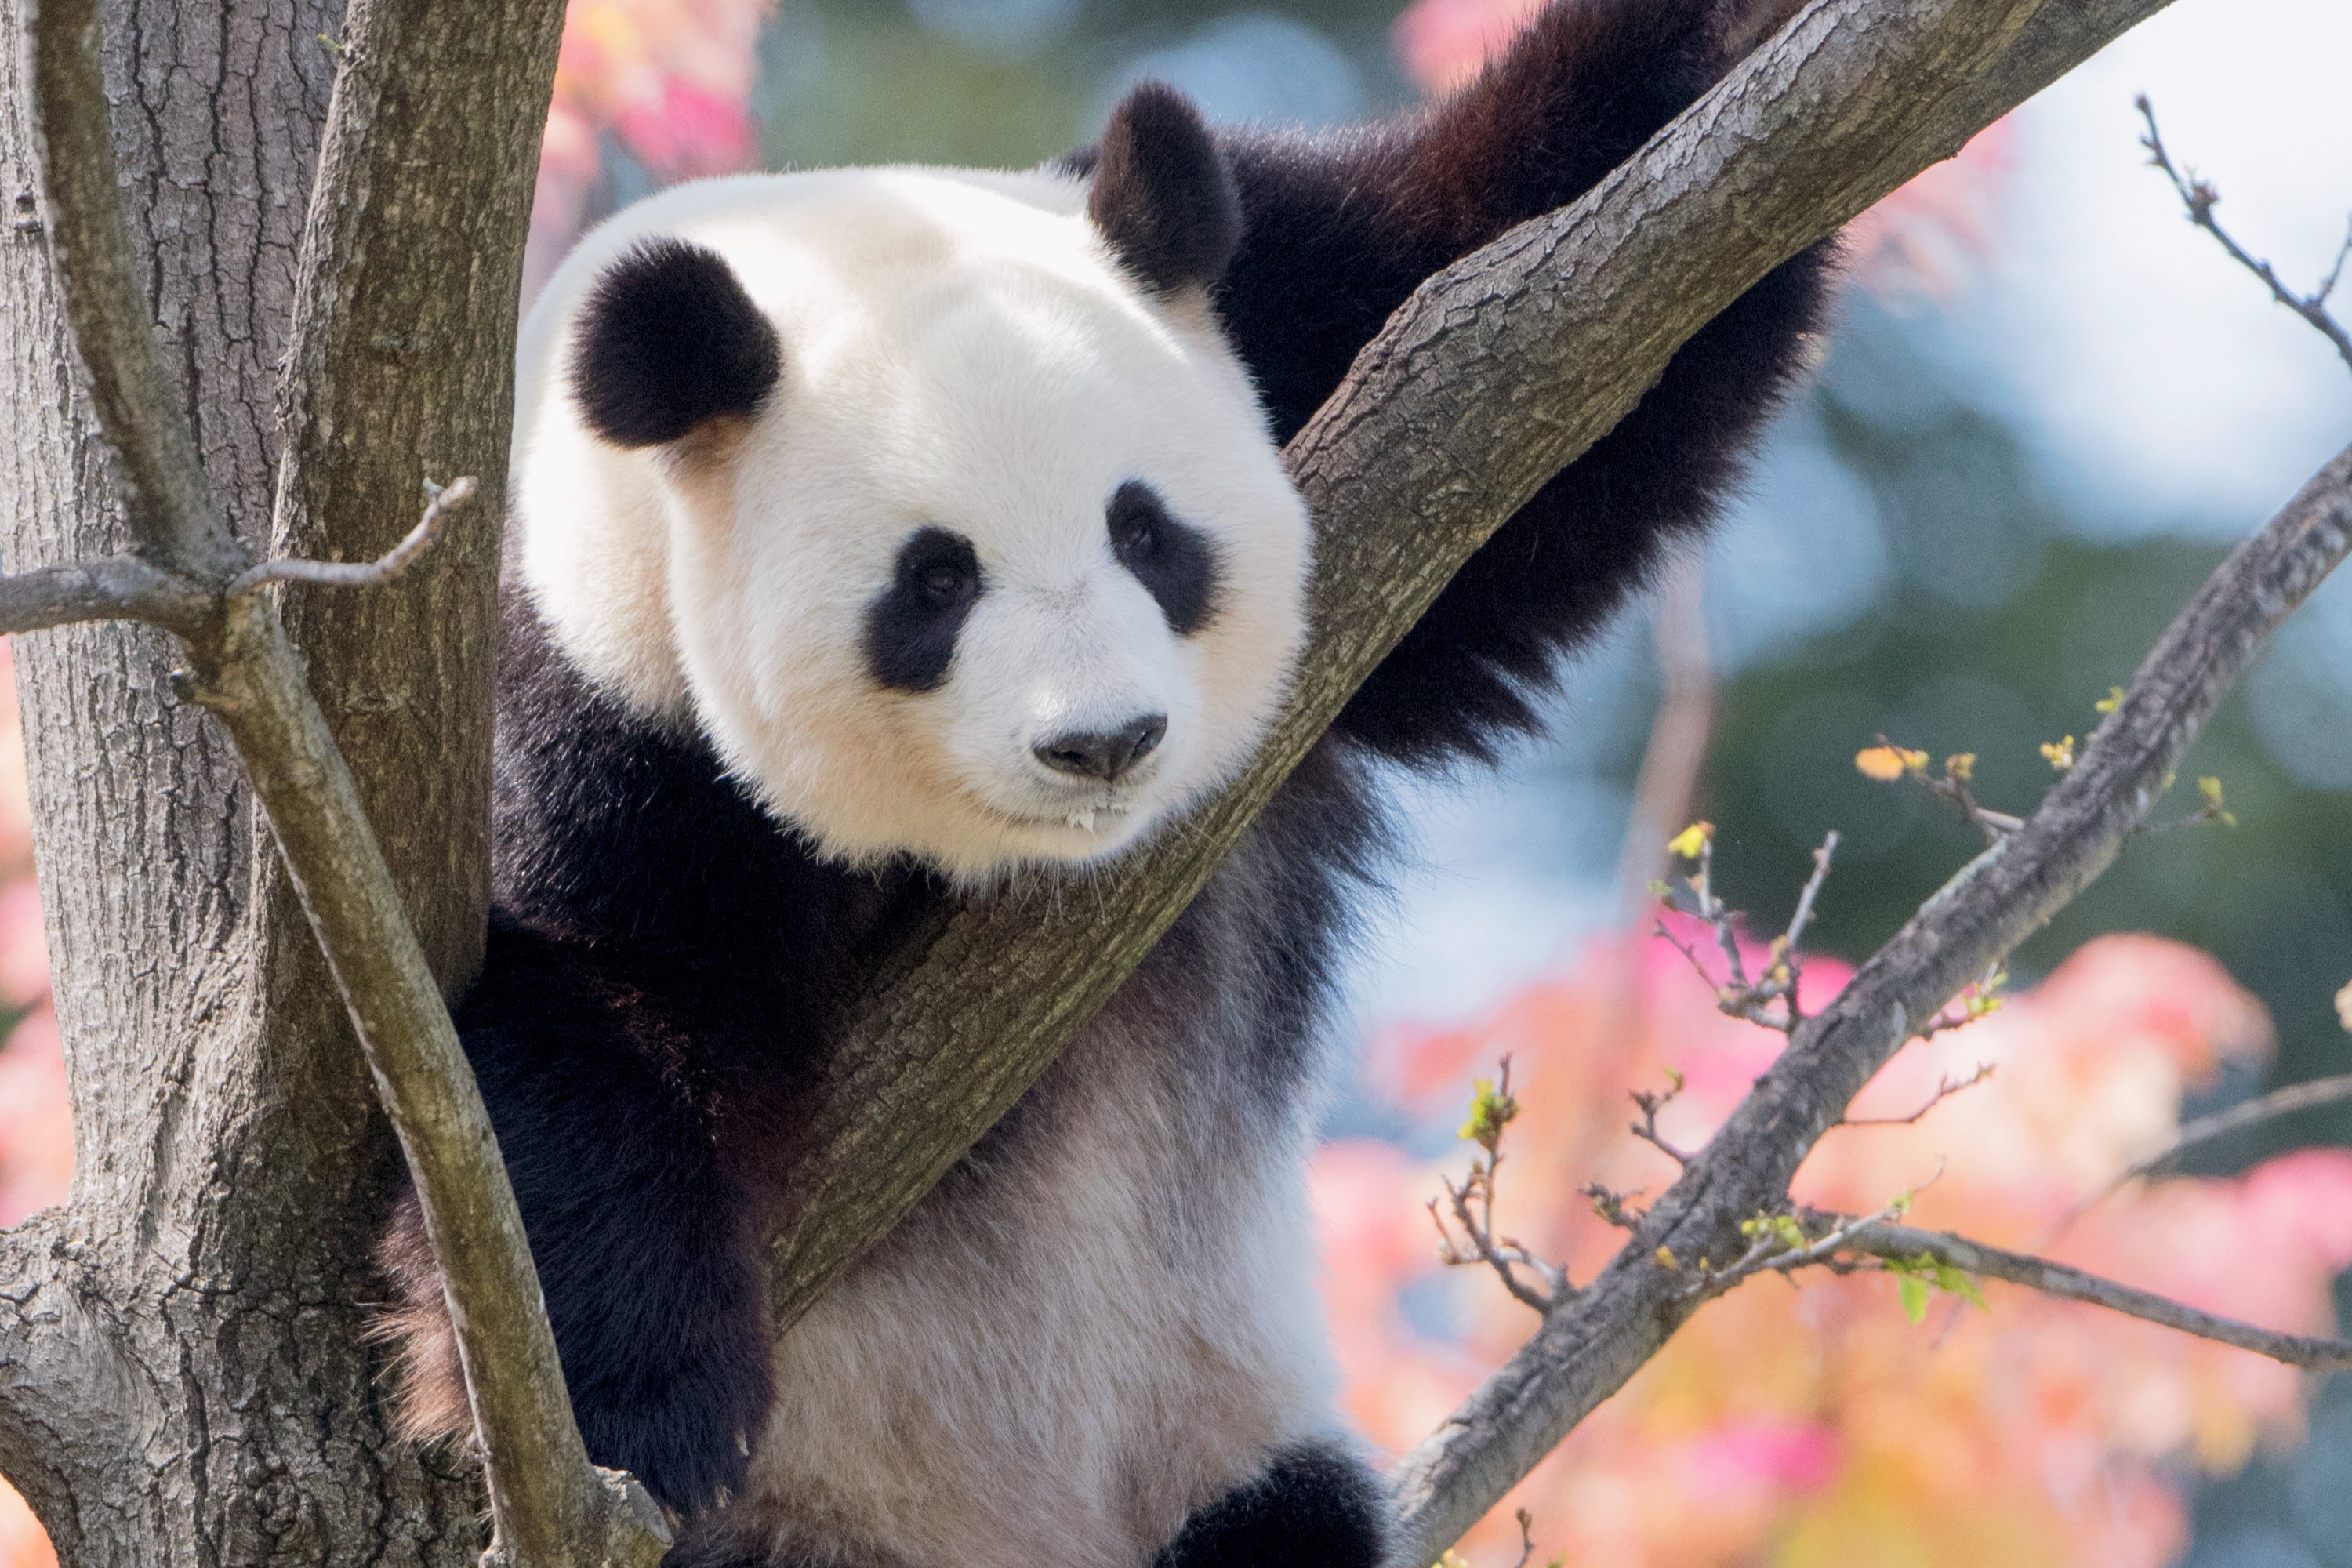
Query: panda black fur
719,795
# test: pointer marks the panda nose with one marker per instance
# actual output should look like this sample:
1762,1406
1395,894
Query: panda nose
1107,754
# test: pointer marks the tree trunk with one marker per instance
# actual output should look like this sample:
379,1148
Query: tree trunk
204,1394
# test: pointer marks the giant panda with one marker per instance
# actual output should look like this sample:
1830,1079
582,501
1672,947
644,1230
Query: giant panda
890,535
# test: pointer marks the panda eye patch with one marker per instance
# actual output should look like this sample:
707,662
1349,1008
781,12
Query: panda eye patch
911,625
1175,563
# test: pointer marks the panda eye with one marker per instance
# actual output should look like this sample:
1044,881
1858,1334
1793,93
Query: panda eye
938,570
944,582
1134,517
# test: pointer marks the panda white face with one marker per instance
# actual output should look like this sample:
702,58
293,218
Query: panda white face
986,556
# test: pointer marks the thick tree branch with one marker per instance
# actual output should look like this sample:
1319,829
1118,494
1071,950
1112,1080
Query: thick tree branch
118,588
548,1506
1587,1349
1902,1243
162,484
1537,344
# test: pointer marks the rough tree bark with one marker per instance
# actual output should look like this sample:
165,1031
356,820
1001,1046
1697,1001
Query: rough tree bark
220,1404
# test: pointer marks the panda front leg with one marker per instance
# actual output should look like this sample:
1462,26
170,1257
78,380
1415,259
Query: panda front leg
647,1248
1314,1507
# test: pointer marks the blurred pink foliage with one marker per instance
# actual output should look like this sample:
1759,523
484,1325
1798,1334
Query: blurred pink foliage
1923,241
36,1134
672,79
1817,1426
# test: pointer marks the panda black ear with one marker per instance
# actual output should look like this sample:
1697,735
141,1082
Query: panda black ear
667,341
1163,194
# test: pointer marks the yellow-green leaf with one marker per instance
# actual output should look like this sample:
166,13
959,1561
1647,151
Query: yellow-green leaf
1691,840
1961,1283
1912,1293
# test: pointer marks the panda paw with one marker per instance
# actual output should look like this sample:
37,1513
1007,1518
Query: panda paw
1313,1508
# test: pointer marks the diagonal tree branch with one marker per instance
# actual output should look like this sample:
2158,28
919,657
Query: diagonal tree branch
1591,1344
1539,343
1904,1242
548,1506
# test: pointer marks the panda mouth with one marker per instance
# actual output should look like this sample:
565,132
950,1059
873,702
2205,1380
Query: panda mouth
1084,819
1095,816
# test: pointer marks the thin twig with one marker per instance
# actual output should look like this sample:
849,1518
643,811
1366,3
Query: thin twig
1803,917
1944,1088
1955,786
1527,1539
1982,997
439,502
1650,1102
1783,1243
2336,272
2206,1130
1473,1205
2200,197
1739,996
1884,1239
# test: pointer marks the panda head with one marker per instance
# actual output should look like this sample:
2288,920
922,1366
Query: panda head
935,500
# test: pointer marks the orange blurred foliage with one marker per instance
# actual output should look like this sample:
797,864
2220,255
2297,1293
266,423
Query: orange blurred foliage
1818,1427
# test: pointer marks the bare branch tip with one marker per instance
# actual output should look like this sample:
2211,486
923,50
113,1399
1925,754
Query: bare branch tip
440,500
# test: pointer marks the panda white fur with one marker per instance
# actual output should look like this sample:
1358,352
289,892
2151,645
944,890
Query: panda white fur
882,536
